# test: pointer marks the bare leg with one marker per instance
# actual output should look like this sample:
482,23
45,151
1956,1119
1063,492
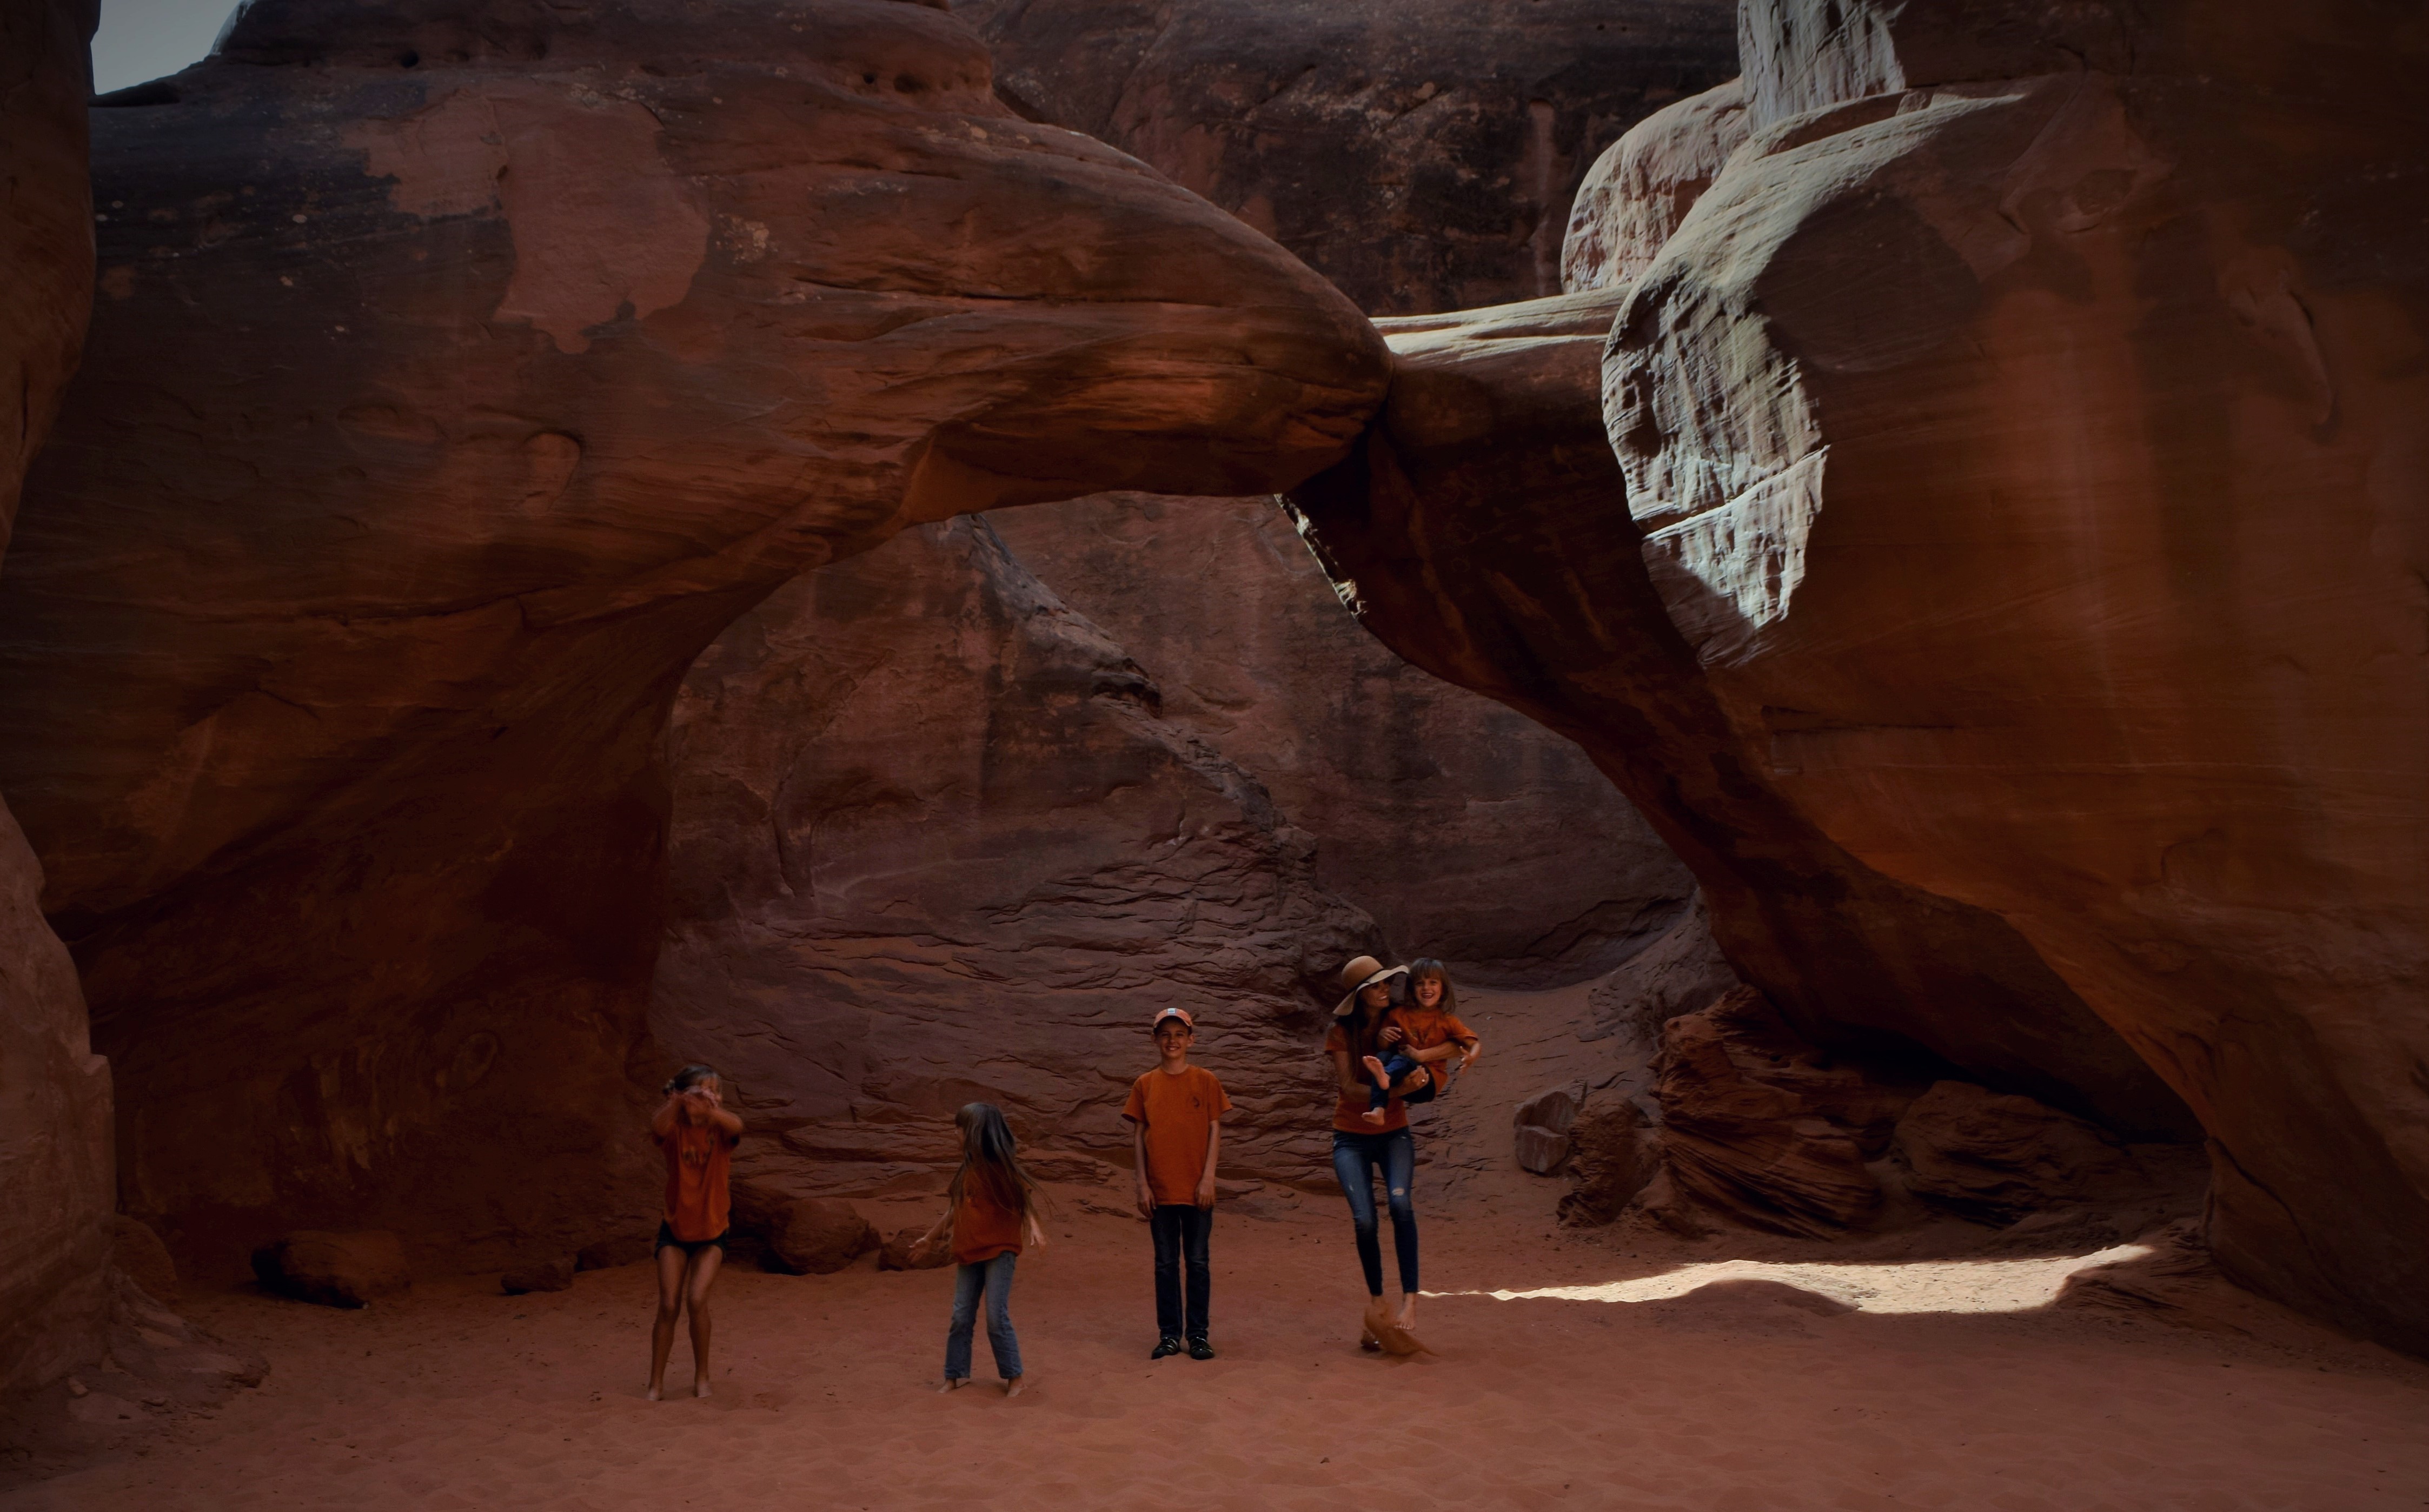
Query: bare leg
704,1272
662,1332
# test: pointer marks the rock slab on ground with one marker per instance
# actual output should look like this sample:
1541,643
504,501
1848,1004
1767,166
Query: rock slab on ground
545,1275
336,1270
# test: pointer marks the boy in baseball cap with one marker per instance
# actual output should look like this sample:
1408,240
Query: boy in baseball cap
1176,1116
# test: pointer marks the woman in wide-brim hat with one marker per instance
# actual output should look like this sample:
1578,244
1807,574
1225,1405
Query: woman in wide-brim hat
1362,1150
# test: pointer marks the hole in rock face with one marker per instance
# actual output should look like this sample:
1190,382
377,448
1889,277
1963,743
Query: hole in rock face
409,59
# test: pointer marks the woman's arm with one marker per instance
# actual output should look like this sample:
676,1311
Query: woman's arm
1350,1082
1036,1233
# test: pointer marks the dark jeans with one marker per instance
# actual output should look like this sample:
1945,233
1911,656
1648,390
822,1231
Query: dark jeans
993,1277
1396,1065
1355,1159
1181,1232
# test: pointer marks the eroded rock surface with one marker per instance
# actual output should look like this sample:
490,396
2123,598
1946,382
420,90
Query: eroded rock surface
934,845
2026,459
459,376
56,1188
1469,832
1643,185
1422,155
1475,534
2031,441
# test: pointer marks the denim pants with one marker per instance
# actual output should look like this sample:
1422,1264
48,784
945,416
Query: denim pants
1355,1159
1396,1065
994,1278
1181,1232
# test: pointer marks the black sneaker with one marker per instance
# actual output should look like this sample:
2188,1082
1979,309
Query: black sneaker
1200,1349
1166,1345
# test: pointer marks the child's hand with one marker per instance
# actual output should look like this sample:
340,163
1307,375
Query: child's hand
1392,1035
919,1248
1206,1192
1145,1203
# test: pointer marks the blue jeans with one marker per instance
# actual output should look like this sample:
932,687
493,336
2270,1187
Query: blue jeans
1396,1065
1355,1160
994,1278
1181,1232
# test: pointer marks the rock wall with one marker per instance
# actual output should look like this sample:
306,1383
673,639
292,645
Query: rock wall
1476,536
1420,155
1468,831
2027,465
56,1188
1420,161
2030,438
459,373
934,844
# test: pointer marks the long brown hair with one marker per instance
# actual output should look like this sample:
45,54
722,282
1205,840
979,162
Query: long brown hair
989,1153
1360,1024
1426,966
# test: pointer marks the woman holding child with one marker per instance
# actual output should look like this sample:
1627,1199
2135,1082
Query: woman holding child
1384,1057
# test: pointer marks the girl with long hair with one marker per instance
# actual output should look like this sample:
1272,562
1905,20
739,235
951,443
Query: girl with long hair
990,1201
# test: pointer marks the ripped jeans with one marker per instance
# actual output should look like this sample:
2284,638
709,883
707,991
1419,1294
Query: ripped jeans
1355,1159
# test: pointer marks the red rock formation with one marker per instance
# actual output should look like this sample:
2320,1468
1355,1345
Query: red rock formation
933,844
56,1190
1468,831
1758,1126
1477,535
1420,158
463,371
2024,438
1421,154
2031,439
1643,185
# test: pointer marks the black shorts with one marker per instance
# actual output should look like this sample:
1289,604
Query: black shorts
667,1237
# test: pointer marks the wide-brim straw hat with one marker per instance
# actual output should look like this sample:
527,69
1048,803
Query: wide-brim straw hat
1361,974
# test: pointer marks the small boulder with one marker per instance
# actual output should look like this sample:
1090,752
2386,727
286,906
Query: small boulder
548,1276
1554,1110
606,1254
1540,1149
816,1235
337,1270
896,1256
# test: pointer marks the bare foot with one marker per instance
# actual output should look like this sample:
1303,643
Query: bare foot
658,1392
1013,1386
699,1386
952,1384
1375,1115
1373,1065
1408,1317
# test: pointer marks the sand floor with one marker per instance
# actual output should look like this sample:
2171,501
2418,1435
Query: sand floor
460,1397
1616,1383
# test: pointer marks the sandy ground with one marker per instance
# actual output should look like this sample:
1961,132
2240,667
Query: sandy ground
1618,1384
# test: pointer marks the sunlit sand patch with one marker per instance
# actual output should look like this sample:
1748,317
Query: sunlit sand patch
1903,1286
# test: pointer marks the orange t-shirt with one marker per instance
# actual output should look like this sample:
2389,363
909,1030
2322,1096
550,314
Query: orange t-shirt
1179,1114
1349,1114
984,1227
1427,1028
698,1157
